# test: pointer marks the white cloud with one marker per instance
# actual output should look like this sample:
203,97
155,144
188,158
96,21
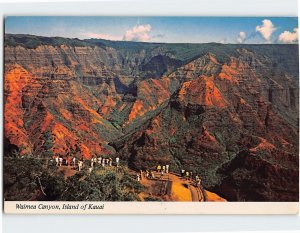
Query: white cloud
138,33
241,38
289,37
100,36
266,29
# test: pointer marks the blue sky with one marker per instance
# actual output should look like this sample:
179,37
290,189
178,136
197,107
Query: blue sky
161,29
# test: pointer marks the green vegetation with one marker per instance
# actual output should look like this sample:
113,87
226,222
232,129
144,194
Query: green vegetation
172,139
48,142
104,186
30,179
32,42
27,123
26,179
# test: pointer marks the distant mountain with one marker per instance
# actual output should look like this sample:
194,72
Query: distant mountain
227,112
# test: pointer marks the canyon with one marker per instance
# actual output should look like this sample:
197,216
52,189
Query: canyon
228,112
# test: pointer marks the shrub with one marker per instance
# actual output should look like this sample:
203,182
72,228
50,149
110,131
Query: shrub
28,179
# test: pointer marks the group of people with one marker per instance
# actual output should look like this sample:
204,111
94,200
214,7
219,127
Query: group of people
161,170
79,163
189,176
69,161
59,161
104,161
101,161
145,174
186,174
151,174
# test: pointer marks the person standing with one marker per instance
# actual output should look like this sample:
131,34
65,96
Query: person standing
74,162
90,170
103,162
117,161
92,162
153,175
99,160
80,165
81,162
60,161
167,168
182,172
57,161
187,174
199,183
141,172
110,162
158,168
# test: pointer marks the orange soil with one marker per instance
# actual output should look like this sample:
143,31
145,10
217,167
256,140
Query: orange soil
47,121
147,88
137,110
180,193
182,190
214,197
202,91
228,73
263,145
15,80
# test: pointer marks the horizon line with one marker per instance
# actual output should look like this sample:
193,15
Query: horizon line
148,42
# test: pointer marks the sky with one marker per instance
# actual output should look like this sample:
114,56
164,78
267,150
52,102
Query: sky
250,30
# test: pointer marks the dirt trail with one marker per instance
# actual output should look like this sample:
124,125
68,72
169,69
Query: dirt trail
181,190
196,194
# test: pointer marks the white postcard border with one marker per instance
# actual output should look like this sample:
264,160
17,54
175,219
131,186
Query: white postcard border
230,208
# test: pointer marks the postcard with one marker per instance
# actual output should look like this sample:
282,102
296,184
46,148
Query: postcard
152,115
